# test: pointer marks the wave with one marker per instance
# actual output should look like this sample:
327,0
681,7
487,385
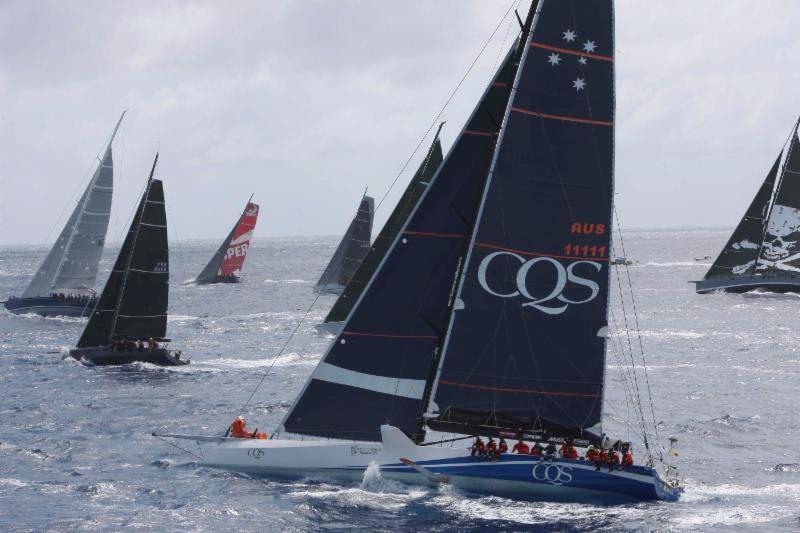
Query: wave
287,281
287,359
672,264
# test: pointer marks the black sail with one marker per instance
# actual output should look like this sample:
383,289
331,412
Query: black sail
779,253
133,304
209,273
739,255
351,250
386,237
376,370
526,344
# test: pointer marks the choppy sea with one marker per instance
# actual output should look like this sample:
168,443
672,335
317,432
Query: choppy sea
76,451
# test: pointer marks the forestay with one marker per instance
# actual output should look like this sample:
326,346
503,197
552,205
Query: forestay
376,370
526,344
133,304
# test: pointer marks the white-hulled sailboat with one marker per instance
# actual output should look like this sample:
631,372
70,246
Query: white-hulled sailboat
488,315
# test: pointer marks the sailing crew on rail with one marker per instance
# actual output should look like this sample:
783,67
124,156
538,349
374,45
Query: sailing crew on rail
502,447
568,451
491,448
537,449
592,455
521,447
627,456
478,448
239,431
550,451
613,458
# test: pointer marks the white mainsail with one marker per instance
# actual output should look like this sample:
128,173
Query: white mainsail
71,266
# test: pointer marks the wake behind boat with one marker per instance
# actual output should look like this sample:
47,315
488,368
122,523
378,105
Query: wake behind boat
64,283
488,315
129,322
226,264
760,253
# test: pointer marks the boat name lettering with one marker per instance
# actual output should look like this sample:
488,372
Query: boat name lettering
553,474
358,450
255,453
240,250
564,275
587,228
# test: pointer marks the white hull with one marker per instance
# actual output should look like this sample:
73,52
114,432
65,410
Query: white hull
329,328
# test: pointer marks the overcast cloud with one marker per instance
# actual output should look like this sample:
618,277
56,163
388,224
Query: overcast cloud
306,103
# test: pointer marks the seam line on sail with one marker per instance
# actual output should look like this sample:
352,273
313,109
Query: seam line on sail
526,252
563,117
568,51
147,271
389,335
152,225
140,316
153,202
102,188
435,234
509,389
481,133
93,213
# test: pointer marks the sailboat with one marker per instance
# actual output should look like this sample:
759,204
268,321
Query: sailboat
488,314
129,322
761,253
226,264
64,283
351,250
349,296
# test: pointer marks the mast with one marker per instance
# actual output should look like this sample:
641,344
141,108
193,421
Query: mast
458,280
775,192
133,247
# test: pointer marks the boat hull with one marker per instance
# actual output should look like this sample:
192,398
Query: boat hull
329,328
46,306
102,356
220,279
741,284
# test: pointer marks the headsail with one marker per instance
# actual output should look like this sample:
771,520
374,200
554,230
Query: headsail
376,370
351,250
133,304
779,252
71,265
526,344
229,257
739,255
384,240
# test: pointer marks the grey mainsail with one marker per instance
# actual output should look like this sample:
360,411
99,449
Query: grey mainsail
71,265
351,251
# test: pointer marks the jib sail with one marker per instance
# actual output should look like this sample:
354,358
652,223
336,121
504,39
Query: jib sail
133,304
351,250
525,348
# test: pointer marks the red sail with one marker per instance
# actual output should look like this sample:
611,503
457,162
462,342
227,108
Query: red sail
240,242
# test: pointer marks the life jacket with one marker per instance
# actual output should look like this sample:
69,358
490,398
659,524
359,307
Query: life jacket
613,457
492,446
592,455
479,445
521,447
627,459
503,447
537,451
569,453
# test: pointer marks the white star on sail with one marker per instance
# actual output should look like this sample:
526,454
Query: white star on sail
589,46
569,36
579,84
582,60
554,59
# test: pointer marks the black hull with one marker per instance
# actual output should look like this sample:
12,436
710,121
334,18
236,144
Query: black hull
220,279
46,306
103,356
741,284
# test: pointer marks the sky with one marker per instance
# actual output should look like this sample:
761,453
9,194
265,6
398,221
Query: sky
308,103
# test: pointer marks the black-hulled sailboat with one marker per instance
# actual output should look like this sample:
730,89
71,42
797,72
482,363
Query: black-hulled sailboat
64,283
351,250
762,252
129,322
488,314
226,264
349,296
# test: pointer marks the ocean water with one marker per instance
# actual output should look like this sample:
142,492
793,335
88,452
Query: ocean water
76,451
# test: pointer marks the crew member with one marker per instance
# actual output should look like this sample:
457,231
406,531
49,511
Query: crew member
478,447
491,447
550,451
521,448
502,447
239,431
627,456
592,455
140,345
153,343
537,450
613,458
602,459
568,451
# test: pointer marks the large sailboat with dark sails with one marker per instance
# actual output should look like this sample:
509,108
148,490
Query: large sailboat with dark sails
762,253
129,322
489,314
351,250
349,296
226,264
64,283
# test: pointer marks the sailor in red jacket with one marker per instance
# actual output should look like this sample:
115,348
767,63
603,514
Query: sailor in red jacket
592,455
491,448
568,451
537,450
613,458
627,456
521,447
478,448
502,447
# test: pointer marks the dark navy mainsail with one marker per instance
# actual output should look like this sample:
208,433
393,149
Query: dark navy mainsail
779,253
526,344
377,369
739,255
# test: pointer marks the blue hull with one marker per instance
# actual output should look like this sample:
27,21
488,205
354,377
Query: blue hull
542,479
46,306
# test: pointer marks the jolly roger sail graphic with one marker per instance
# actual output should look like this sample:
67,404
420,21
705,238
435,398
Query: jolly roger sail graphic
226,264
762,251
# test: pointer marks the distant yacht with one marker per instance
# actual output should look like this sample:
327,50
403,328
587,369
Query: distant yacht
350,252
762,252
226,264
129,322
64,283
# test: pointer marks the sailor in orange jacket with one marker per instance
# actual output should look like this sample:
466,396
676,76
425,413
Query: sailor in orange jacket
521,447
239,431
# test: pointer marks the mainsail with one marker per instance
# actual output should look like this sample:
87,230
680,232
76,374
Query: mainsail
133,304
376,370
386,237
229,257
740,253
778,253
71,265
525,349
351,250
